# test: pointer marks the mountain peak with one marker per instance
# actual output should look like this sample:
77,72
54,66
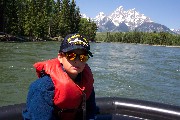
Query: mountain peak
100,16
126,19
130,17
84,16
119,8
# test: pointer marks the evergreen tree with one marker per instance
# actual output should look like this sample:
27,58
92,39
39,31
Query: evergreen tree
75,17
10,16
88,28
55,18
2,8
30,18
65,21
21,17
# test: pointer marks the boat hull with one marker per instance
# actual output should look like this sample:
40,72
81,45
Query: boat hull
113,108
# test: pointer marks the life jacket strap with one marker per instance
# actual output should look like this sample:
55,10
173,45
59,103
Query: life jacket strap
84,105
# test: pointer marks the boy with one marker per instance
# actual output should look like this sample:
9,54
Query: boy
64,90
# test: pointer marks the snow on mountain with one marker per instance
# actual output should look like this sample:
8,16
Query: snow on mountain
176,31
100,16
122,20
118,16
84,16
101,19
135,19
130,17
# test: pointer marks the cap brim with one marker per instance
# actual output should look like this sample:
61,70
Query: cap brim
90,53
76,47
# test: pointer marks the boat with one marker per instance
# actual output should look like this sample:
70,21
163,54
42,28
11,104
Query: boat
113,108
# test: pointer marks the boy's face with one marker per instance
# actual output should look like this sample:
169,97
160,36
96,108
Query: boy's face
72,67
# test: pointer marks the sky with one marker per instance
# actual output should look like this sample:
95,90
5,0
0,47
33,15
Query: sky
165,12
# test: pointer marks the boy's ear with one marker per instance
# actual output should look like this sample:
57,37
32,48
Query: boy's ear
60,56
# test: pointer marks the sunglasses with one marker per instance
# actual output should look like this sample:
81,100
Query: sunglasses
72,56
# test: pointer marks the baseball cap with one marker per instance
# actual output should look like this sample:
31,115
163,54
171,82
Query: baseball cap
73,42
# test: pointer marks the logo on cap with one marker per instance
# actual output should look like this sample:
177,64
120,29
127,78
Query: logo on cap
78,40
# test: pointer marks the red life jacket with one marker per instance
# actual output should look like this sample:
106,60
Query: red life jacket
68,95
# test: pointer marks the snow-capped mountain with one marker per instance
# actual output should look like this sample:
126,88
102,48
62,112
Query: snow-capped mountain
84,16
151,27
131,17
176,31
122,20
101,19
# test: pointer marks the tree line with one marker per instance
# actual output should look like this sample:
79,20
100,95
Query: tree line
47,19
44,19
151,38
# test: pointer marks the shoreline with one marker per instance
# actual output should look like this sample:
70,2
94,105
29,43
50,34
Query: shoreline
15,39
142,44
166,46
19,41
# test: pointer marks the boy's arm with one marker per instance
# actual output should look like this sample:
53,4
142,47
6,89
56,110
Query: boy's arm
39,104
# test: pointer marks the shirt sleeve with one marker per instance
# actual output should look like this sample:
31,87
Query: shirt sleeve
91,106
39,104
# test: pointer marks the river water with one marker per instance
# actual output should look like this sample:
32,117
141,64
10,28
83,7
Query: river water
120,70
